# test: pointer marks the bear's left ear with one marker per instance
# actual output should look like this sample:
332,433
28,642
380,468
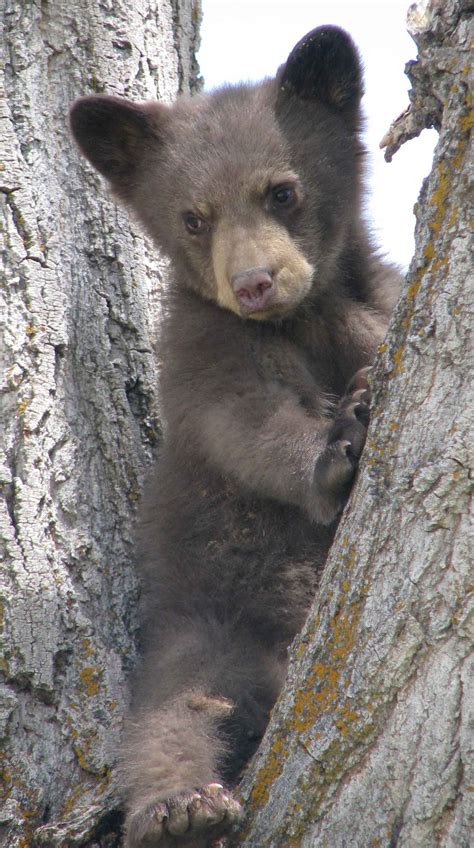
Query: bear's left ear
325,66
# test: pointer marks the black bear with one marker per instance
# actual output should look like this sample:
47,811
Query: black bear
276,305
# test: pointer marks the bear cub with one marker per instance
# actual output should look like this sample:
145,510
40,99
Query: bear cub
276,305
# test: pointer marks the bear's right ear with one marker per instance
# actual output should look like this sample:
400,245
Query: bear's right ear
112,133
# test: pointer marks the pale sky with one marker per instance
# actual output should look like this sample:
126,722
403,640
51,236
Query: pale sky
249,39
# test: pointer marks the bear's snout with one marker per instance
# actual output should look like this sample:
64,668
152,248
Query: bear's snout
253,289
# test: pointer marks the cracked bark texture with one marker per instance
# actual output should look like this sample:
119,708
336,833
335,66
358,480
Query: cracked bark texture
370,743
79,297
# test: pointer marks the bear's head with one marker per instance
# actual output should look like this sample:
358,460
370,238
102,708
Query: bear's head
252,190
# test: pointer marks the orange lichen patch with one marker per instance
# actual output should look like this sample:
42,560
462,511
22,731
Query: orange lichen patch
347,716
429,251
319,694
23,405
458,159
397,359
300,650
81,757
441,264
320,671
414,287
467,121
268,774
6,782
71,802
84,754
344,626
293,842
30,330
87,647
439,196
351,557
91,679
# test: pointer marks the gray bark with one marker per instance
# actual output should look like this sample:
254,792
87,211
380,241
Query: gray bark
369,743
78,297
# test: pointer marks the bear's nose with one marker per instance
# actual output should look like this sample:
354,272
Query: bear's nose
253,288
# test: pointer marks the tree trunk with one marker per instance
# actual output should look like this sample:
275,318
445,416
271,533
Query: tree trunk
369,743
78,413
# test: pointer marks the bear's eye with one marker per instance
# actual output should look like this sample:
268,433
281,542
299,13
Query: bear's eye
283,195
194,224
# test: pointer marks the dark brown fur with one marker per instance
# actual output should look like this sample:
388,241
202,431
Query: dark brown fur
263,426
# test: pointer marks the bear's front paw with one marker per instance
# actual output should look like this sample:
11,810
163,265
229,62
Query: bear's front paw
195,819
336,466
352,416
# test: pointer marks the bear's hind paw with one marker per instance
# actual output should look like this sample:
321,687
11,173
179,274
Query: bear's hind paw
191,820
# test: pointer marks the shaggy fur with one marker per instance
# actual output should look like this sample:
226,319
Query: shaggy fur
277,301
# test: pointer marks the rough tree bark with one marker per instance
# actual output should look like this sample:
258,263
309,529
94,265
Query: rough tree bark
78,412
369,744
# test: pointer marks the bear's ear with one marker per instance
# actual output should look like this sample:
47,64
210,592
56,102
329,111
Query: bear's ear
112,133
324,66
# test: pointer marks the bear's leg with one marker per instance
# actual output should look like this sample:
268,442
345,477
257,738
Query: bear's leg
214,689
